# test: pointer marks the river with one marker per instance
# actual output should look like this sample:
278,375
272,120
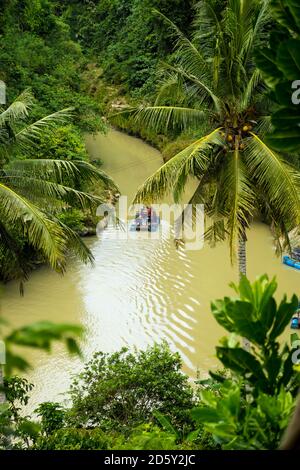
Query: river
139,290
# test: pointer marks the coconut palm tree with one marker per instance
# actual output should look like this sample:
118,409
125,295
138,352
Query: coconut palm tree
33,191
213,89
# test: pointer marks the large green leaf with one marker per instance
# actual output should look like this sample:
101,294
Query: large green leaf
273,365
268,313
288,59
294,7
220,311
286,140
283,11
266,61
243,362
205,414
287,118
284,314
244,289
288,369
238,316
286,136
165,423
40,335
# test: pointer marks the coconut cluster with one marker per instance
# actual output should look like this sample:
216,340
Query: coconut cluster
234,136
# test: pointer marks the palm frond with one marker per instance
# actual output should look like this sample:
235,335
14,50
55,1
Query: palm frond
75,244
190,62
18,110
41,232
189,55
239,197
28,135
210,194
258,31
216,231
37,188
204,89
56,170
207,29
164,117
33,190
171,89
14,263
276,179
173,174
264,125
249,92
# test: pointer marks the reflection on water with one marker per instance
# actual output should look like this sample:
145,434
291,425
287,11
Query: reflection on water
139,290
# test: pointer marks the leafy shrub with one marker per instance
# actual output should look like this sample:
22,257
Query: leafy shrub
64,143
255,315
74,439
123,389
147,437
52,417
253,408
73,218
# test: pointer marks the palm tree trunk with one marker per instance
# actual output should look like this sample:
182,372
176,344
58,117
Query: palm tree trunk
242,256
243,272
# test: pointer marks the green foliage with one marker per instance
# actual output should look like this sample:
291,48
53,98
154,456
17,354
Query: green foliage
37,51
144,437
17,391
253,408
73,219
141,400
255,316
123,389
39,335
239,424
280,66
115,404
64,143
52,417
74,439
16,430
147,437
126,39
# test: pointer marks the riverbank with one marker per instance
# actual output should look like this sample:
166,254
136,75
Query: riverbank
113,100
